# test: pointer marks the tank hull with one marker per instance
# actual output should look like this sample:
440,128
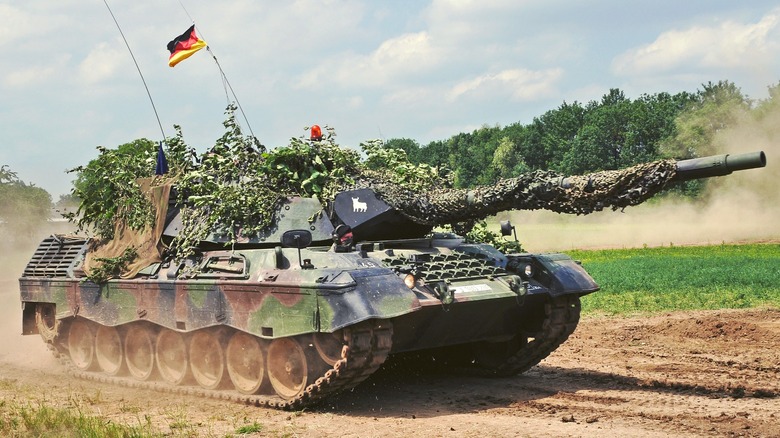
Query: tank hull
229,326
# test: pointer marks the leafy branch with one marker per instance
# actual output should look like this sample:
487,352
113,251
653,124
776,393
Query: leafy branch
233,189
110,267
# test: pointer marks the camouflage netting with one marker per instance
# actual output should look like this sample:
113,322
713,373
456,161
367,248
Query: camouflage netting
235,187
145,243
536,190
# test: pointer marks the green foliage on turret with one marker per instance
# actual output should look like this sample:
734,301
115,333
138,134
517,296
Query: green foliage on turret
235,187
107,186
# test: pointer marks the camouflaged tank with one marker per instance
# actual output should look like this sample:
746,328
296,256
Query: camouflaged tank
317,302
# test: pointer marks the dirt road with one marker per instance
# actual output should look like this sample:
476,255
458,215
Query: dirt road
714,373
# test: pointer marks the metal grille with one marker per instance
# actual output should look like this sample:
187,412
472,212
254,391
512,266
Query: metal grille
56,257
447,267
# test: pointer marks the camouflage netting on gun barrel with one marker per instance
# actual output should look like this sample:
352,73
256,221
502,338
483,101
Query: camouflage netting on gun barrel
536,190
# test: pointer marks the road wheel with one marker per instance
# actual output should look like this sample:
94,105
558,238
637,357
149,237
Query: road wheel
207,360
139,352
329,346
81,345
171,356
287,367
108,350
245,363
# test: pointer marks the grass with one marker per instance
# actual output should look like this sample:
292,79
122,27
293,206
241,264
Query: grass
20,419
42,419
255,427
649,280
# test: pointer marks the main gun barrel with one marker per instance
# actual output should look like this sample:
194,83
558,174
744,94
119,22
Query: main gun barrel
718,165
370,210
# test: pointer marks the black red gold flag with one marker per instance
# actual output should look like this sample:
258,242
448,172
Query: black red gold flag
184,46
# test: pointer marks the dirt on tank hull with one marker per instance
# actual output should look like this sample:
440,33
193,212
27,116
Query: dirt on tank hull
249,327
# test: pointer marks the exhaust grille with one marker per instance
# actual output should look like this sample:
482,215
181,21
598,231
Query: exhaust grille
56,256
447,267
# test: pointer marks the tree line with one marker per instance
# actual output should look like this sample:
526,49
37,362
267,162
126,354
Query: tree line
612,133
23,206
575,138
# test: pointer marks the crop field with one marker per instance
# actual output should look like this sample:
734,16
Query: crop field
651,280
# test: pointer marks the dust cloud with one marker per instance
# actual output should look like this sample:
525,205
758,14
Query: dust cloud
743,206
25,351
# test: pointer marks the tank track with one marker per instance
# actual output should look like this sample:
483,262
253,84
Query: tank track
562,314
367,346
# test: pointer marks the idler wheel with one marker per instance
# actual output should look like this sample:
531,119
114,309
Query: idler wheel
81,345
139,352
245,363
207,360
287,367
171,355
46,321
108,350
329,346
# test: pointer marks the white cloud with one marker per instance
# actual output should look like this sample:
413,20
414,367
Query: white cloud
101,62
520,84
14,24
36,74
349,102
728,45
399,57
411,96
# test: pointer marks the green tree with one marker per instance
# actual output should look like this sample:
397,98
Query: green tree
507,161
411,147
435,154
770,105
23,207
470,156
714,108
68,201
711,110
549,136
618,132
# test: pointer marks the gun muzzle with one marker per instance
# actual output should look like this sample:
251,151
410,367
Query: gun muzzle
718,165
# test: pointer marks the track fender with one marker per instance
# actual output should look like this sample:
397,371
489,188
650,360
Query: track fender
378,293
554,274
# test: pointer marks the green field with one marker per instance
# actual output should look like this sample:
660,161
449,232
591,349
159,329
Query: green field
649,280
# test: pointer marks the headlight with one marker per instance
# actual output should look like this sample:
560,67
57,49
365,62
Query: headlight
528,271
410,281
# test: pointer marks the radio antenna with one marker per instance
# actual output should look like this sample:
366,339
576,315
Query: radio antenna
137,68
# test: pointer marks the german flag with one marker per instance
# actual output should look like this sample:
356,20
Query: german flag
184,45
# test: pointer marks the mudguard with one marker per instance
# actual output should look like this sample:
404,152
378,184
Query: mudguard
553,274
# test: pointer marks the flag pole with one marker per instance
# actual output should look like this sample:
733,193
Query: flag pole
137,68
225,81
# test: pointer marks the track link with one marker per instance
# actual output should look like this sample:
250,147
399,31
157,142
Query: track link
367,346
562,316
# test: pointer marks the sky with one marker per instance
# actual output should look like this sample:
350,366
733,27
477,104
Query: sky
424,70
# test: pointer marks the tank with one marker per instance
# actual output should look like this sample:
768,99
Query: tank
317,302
